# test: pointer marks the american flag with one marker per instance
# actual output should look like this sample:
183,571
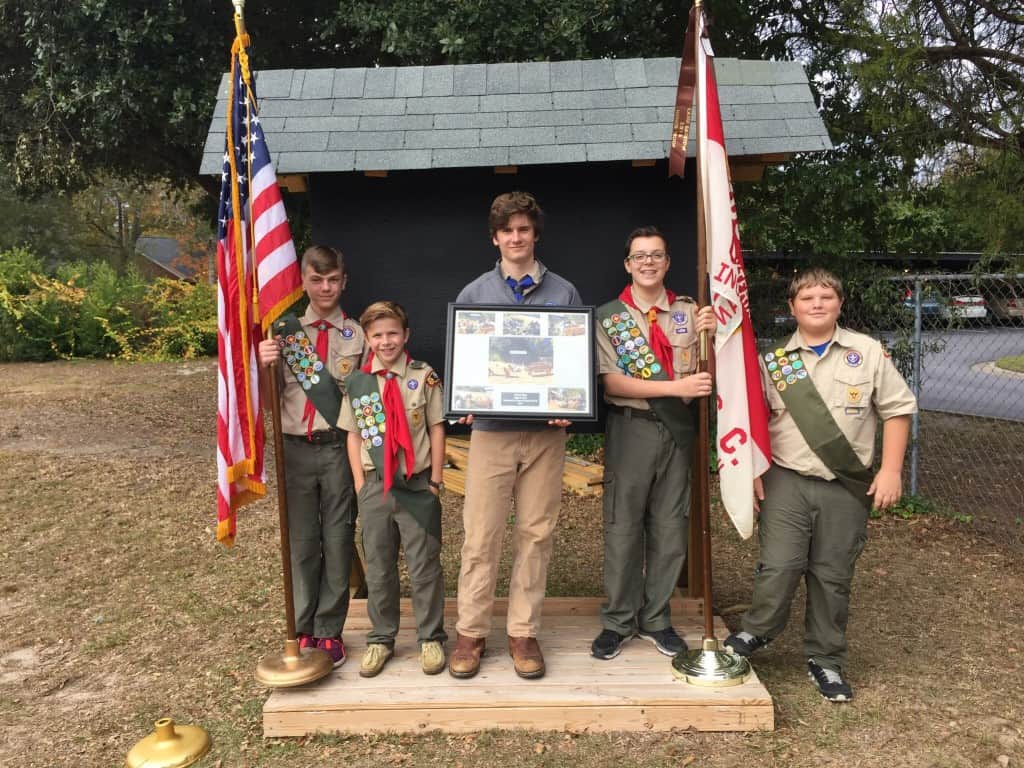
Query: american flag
744,451
254,286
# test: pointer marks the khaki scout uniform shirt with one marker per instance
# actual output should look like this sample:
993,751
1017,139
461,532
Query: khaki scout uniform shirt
859,384
678,324
344,352
421,395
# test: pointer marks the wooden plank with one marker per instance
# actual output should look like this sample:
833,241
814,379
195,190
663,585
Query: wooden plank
553,606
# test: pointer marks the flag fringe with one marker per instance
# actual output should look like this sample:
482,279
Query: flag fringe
281,307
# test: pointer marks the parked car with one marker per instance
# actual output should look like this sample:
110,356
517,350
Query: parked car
1007,308
932,307
967,306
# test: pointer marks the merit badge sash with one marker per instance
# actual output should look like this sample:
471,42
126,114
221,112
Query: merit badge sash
371,422
637,359
814,420
297,349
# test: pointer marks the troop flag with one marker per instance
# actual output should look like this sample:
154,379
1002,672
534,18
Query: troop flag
258,278
744,452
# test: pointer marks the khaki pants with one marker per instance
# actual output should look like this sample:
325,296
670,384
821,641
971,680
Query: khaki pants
815,529
526,468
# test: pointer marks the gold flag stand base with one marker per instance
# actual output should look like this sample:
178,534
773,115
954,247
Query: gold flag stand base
710,666
169,746
293,667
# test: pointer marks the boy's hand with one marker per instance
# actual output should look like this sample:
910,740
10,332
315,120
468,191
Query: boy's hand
706,320
268,352
758,495
697,385
559,422
467,419
887,488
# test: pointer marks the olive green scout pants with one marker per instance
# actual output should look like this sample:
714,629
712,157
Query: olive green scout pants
385,525
646,515
321,529
816,529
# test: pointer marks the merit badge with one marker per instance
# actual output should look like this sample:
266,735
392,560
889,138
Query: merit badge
776,375
853,358
640,340
380,418
374,430
306,385
801,374
381,428
630,345
634,332
773,366
606,323
781,386
780,352
364,400
621,349
783,361
367,410
413,384
769,356
645,373
347,333
375,397
616,318
679,318
853,395
631,368
791,378
787,369
377,441
364,432
798,364
649,358
656,368
315,379
318,366
377,407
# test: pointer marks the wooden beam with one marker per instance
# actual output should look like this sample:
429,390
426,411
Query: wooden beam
294,182
506,170
644,163
746,171
375,174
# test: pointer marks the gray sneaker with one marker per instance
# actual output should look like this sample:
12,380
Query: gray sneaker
829,682
667,640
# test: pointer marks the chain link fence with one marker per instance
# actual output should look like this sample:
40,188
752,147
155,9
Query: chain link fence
959,342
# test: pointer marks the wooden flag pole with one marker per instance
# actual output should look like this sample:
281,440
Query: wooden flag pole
708,666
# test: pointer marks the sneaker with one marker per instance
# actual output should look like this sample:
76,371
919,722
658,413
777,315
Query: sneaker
667,640
431,657
743,643
608,644
335,649
829,681
306,641
376,656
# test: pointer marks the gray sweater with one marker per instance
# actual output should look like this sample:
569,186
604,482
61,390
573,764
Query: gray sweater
491,288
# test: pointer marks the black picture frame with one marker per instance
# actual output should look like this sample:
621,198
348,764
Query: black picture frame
520,362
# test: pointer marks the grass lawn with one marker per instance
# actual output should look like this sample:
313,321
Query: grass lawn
1013,363
118,607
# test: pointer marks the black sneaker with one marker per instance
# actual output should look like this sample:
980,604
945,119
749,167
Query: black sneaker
744,643
829,681
667,641
608,644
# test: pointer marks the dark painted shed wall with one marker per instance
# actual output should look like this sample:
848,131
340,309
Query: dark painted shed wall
417,237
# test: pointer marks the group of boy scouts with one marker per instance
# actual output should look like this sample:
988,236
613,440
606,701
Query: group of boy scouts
364,436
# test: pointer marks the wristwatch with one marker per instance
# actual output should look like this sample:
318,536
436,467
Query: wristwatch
437,486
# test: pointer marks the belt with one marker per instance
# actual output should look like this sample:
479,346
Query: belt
634,413
321,436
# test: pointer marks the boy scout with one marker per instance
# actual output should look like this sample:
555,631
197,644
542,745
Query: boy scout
393,416
827,387
515,460
647,360
320,350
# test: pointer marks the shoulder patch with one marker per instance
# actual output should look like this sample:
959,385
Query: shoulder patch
417,364
685,299
433,379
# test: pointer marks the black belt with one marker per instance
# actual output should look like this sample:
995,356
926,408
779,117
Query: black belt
634,413
321,436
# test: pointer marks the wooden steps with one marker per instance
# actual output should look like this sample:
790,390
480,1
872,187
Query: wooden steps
581,476
634,691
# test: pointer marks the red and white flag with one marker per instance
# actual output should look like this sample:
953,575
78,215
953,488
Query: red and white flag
257,280
743,446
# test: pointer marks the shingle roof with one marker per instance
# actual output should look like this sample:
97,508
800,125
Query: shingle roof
530,113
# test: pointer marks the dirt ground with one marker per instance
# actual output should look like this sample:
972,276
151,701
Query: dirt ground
119,607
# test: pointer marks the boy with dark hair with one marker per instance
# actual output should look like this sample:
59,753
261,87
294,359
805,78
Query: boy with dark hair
516,460
319,351
393,414
827,387
646,344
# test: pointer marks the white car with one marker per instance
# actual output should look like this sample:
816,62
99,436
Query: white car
967,306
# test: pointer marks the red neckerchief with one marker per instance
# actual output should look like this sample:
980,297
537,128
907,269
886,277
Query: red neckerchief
396,435
660,345
323,328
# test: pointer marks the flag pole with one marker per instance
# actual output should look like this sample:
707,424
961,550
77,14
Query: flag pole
709,665
293,665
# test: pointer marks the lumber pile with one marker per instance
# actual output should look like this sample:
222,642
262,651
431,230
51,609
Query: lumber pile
580,476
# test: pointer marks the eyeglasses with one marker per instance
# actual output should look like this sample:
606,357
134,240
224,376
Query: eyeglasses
655,256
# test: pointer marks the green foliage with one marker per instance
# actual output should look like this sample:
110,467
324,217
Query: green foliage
85,309
910,507
589,447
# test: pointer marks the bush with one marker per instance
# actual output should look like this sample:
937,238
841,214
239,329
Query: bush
85,309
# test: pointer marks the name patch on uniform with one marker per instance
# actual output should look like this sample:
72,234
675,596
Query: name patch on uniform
681,329
853,358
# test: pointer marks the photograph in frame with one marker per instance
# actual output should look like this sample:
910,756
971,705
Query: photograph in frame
520,362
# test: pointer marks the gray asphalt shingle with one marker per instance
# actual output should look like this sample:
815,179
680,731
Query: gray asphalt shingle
395,118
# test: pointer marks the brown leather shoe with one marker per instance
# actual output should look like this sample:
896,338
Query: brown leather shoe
465,659
526,657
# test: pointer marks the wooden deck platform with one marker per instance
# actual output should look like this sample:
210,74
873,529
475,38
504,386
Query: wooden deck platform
633,692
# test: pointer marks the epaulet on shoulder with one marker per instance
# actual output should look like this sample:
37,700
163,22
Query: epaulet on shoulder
685,299
417,364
